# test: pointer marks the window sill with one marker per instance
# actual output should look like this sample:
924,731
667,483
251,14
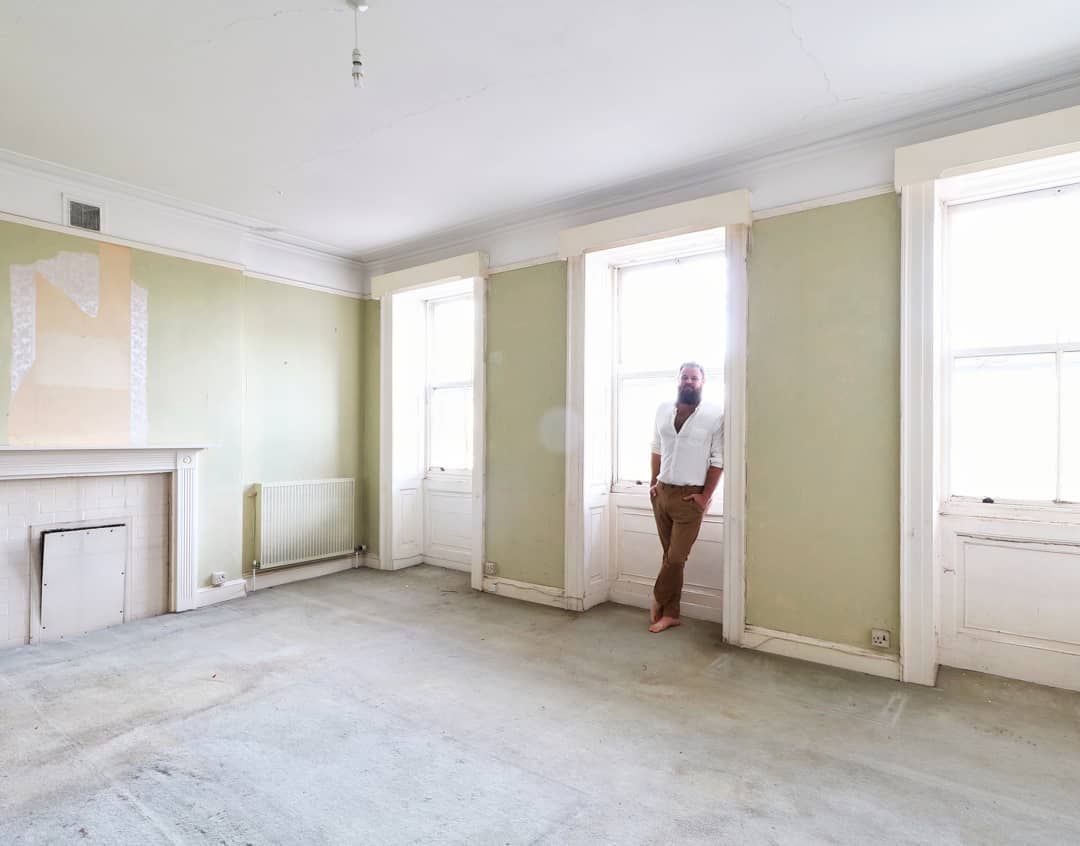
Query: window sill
1039,512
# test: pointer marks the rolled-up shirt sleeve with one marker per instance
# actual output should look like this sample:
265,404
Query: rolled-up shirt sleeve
716,451
656,433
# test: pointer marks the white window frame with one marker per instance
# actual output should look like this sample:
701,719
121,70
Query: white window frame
731,211
619,485
471,269
963,192
432,471
1024,154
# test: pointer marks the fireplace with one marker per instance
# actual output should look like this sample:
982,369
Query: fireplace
25,519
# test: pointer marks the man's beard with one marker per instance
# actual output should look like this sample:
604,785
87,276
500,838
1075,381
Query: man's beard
690,396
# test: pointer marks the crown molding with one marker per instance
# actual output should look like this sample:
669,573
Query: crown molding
725,172
251,227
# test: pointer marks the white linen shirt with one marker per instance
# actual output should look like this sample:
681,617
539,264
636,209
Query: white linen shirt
686,456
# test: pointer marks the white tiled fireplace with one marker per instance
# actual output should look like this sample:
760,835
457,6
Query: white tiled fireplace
104,476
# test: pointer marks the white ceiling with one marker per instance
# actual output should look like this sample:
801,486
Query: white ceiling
479,108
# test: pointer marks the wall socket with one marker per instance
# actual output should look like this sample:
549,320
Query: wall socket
490,568
217,579
879,638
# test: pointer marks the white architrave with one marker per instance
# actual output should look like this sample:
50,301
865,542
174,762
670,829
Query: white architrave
470,266
1009,156
1014,142
180,461
678,219
919,317
734,615
730,211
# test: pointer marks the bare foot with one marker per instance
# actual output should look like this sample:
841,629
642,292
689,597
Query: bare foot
665,623
654,612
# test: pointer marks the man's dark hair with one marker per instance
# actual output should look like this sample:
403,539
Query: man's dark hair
686,364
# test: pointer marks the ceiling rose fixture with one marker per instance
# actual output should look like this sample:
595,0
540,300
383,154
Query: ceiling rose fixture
357,61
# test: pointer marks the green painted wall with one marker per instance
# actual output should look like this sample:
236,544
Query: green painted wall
302,389
195,387
270,376
369,490
526,391
823,428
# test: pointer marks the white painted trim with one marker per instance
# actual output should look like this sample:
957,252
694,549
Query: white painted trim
698,603
104,238
734,579
466,266
574,504
393,564
386,432
120,242
791,170
649,225
286,575
1039,136
479,470
101,187
371,561
232,589
448,564
822,202
521,265
310,286
821,652
182,462
919,449
539,594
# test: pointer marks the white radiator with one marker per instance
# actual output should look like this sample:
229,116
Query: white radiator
299,522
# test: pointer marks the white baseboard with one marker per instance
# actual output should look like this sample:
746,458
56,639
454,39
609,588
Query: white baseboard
393,563
695,604
448,564
821,652
232,589
273,578
540,594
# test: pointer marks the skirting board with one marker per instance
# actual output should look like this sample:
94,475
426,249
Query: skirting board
821,652
696,604
273,578
394,563
447,564
233,589
540,594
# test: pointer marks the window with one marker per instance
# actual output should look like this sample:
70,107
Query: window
450,384
666,312
1012,277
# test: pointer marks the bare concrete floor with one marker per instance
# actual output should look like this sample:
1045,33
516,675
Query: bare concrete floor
403,708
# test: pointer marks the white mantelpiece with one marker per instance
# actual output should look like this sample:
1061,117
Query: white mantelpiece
181,461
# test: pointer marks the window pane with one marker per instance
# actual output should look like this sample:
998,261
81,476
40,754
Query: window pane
1003,437
451,428
671,312
450,340
638,401
1013,273
1070,427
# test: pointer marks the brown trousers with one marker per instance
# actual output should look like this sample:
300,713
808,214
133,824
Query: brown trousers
678,524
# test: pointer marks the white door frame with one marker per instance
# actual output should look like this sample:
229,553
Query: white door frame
575,547
386,434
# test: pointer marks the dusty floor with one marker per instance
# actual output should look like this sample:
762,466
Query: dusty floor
394,708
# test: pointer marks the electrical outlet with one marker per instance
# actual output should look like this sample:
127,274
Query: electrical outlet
489,568
217,579
879,638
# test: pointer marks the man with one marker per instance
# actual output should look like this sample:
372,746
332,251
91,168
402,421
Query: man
687,461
